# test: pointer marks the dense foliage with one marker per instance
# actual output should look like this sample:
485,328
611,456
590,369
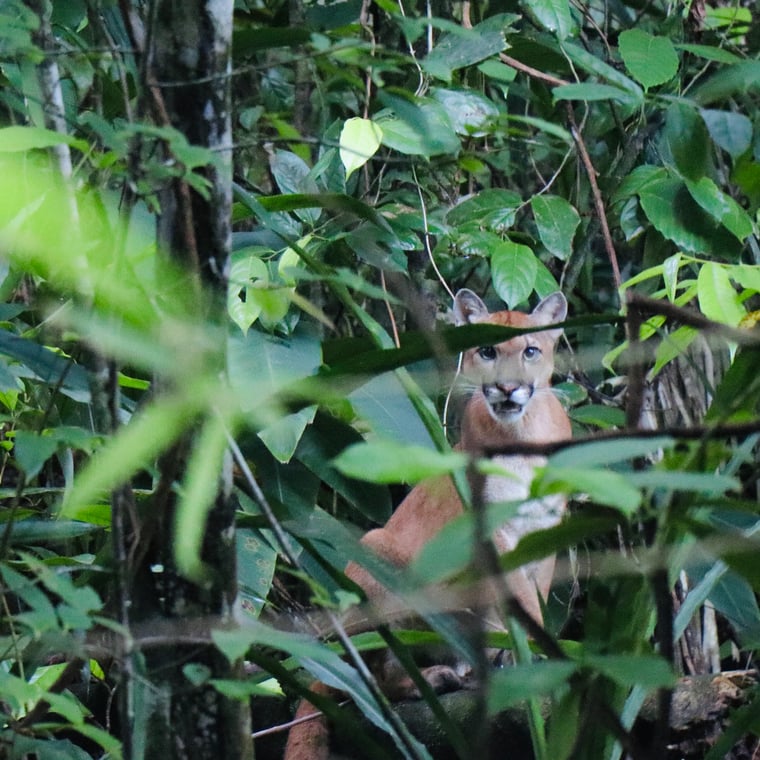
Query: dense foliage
385,155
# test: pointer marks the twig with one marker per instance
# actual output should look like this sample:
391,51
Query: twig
598,202
530,71
280,727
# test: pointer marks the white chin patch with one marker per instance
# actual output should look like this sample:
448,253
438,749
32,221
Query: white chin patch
507,407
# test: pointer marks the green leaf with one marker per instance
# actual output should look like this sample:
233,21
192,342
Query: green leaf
672,211
552,15
385,461
16,139
134,446
652,60
601,453
709,52
589,91
244,690
685,138
359,141
603,486
509,686
197,497
557,220
419,127
718,299
493,207
728,82
598,415
721,207
384,404
293,175
283,435
729,130
256,561
513,272
469,111
649,671
32,451
466,47
48,366
596,65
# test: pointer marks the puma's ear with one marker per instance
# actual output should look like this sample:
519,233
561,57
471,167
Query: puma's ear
551,310
468,307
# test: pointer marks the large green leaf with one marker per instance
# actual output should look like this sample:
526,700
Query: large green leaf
359,141
513,272
387,461
493,208
723,208
606,487
465,47
470,112
557,220
50,367
727,82
718,298
19,139
416,127
675,215
651,59
729,130
686,139
510,686
552,15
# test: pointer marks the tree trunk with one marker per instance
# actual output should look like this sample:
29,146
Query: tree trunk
169,708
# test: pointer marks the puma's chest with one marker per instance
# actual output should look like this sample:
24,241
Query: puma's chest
514,486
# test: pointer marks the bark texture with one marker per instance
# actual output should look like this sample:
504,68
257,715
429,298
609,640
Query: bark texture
170,709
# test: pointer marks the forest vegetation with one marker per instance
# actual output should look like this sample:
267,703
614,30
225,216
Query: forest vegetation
230,233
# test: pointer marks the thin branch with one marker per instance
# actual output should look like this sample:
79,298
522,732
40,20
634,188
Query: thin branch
597,195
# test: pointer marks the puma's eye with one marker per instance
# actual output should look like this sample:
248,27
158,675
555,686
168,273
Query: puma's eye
531,353
487,352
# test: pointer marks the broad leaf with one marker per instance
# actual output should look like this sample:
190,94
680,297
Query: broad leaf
729,130
513,272
552,15
385,461
557,220
510,686
469,111
359,141
718,298
651,59
722,207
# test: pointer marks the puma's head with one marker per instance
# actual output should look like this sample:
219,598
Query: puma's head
510,373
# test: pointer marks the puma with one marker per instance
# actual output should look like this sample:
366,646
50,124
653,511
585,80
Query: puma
512,402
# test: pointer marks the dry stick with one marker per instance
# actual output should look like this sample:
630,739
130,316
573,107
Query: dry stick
280,727
585,158
598,202
530,71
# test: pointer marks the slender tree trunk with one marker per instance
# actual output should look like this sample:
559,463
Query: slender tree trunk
169,707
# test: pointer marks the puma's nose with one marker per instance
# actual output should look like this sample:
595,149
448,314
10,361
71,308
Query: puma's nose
515,393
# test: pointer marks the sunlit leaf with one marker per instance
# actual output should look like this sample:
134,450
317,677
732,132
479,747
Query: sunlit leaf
359,141
385,461
718,298
197,497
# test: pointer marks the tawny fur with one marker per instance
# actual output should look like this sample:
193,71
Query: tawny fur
512,402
